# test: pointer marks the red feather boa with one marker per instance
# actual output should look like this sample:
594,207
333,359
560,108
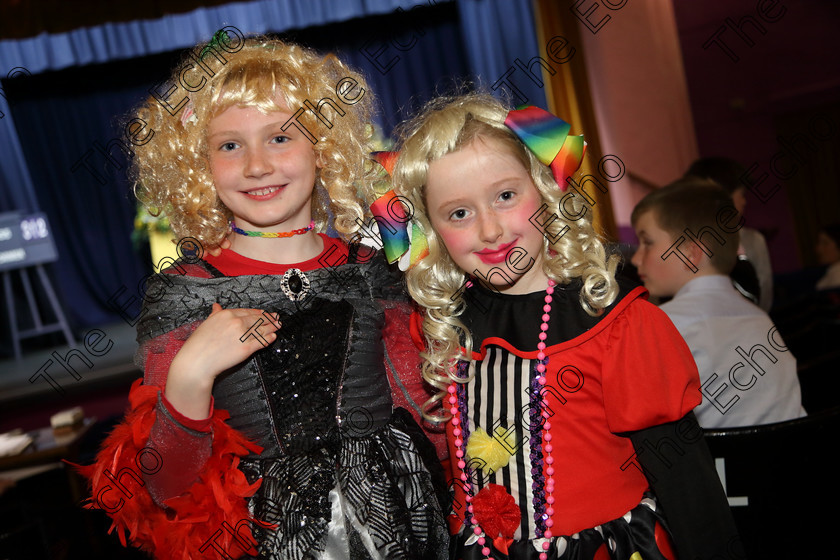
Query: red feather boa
210,517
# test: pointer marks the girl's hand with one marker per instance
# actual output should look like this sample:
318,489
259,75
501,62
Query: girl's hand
226,338
217,250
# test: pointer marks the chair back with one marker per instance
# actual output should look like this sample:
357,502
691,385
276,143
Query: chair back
779,479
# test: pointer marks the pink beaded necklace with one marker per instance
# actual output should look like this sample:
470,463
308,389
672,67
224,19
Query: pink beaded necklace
543,495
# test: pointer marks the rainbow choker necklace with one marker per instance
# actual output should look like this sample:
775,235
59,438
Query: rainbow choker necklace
292,233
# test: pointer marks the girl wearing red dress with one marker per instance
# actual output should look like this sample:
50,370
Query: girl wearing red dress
568,396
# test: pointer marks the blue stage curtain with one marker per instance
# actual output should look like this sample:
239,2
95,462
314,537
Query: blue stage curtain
501,41
127,40
67,119
64,113
61,117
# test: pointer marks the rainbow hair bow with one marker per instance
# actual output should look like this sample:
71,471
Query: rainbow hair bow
547,136
403,239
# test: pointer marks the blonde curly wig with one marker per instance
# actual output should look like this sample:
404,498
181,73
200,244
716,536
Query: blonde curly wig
436,283
170,169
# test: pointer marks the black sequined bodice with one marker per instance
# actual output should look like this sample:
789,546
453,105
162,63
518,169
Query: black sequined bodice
301,372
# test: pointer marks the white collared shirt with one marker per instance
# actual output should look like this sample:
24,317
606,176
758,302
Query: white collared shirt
831,278
747,374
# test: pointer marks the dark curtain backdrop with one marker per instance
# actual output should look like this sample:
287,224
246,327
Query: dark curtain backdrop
62,116
59,116
84,80
811,141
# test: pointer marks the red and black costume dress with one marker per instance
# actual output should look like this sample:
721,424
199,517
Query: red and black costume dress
621,388
304,454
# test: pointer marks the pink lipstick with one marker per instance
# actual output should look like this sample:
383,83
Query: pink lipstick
495,256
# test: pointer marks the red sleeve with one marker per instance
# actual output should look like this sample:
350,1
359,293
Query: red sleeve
409,389
172,485
183,443
416,330
190,523
159,353
649,375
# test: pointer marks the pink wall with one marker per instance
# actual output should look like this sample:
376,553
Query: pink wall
662,99
640,96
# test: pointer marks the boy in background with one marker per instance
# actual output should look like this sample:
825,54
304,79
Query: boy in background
753,264
688,243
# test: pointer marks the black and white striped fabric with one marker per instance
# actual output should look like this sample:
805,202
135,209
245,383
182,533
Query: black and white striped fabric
498,397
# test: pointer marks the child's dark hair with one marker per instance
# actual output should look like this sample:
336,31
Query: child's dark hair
696,204
724,171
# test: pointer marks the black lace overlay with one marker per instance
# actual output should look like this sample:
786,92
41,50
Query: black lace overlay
294,496
515,318
319,403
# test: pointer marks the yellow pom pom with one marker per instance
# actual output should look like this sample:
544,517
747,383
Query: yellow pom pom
487,452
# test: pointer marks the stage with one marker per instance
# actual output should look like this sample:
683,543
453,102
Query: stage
95,375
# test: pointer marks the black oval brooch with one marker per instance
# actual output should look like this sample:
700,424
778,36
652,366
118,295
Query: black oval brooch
295,284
